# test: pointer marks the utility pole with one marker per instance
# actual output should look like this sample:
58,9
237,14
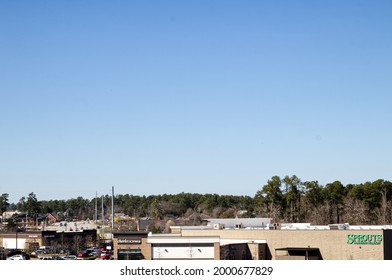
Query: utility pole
102,222
16,235
96,208
112,208
102,215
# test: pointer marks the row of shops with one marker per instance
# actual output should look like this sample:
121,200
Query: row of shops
30,241
256,245
220,240
277,242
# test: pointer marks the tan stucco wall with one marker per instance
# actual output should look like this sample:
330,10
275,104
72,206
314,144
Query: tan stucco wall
144,247
216,251
332,243
23,238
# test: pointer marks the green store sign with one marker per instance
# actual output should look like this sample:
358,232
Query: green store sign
364,239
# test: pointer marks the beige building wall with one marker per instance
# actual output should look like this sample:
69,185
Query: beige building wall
115,248
257,251
144,247
217,251
333,244
25,240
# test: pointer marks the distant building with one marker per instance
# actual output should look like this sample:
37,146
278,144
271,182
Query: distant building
30,241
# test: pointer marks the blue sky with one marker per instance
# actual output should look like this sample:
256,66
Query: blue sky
160,97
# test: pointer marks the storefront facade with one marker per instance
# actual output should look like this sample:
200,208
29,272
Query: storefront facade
318,244
25,241
131,246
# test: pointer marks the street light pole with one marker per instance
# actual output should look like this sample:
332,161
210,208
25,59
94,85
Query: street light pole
16,235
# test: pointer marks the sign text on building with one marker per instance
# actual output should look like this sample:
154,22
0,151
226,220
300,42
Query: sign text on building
129,241
364,239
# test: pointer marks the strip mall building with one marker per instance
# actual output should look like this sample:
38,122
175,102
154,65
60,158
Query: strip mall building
258,239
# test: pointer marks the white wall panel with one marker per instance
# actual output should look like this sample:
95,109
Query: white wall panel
10,243
167,252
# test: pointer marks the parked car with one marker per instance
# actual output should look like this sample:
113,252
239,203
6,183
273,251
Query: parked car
39,252
13,252
44,258
106,256
70,257
46,248
20,257
83,255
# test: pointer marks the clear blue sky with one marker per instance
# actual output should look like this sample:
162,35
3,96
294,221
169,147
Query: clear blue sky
158,97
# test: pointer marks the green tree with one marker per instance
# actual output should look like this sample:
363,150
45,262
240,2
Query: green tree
271,196
384,188
313,198
4,203
33,206
292,196
82,208
334,194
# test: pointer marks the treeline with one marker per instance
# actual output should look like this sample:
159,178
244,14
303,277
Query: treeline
286,199
291,200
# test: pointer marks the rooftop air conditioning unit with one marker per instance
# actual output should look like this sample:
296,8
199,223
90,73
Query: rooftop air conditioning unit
333,227
219,226
339,226
275,226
